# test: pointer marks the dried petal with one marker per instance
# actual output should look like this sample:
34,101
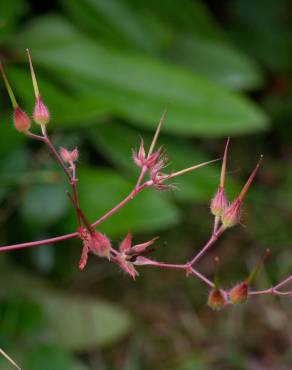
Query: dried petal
140,248
126,243
86,240
100,244
84,256
126,266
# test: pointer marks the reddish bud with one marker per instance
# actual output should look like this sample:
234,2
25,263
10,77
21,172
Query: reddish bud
139,158
100,245
231,215
217,299
238,294
40,114
21,120
68,156
219,202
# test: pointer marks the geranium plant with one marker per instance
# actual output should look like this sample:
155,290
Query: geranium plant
152,174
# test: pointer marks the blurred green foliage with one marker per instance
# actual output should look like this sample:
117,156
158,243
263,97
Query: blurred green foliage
107,69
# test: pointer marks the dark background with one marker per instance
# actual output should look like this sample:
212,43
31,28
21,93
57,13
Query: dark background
107,69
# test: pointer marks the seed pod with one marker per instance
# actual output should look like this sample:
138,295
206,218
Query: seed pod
21,120
219,202
239,293
216,299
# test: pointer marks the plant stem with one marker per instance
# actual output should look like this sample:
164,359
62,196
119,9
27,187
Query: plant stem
206,247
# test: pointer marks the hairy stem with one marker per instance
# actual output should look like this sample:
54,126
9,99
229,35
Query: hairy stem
206,247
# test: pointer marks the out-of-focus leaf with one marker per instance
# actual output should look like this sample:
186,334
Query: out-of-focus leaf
44,204
198,185
48,358
185,16
20,316
217,61
264,31
193,362
13,166
196,41
9,137
10,12
113,21
66,109
72,322
101,189
133,359
139,87
81,324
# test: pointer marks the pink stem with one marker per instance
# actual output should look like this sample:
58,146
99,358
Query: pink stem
61,238
274,289
184,267
55,153
210,242
137,189
39,242
203,278
284,282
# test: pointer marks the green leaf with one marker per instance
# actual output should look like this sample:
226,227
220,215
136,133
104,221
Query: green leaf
268,36
20,316
187,16
139,87
10,12
82,324
217,61
101,189
114,21
18,160
44,204
72,322
47,357
195,40
9,137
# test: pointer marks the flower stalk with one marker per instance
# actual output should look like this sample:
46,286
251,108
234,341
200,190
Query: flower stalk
152,164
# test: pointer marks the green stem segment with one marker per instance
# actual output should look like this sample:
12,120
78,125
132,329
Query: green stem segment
8,88
33,77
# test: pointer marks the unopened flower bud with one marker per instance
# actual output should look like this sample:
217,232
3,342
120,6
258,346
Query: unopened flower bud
68,156
231,215
139,157
21,120
219,202
238,294
100,244
216,299
40,114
